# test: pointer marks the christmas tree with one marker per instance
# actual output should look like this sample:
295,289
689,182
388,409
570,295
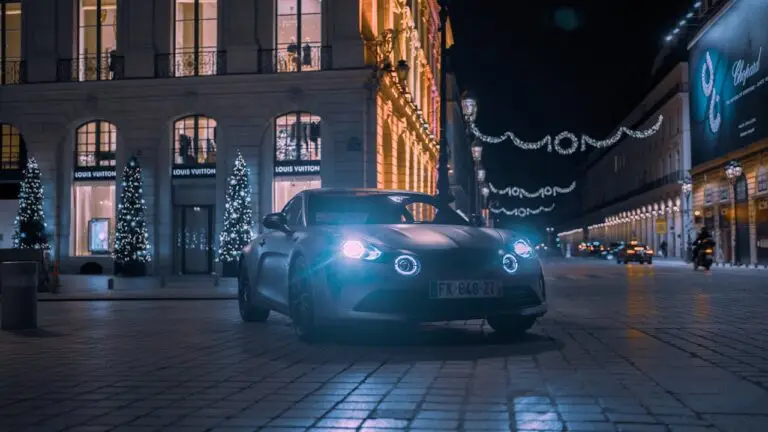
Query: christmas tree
238,215
29,226
131,235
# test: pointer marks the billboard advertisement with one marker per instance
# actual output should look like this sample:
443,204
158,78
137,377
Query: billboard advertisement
728,92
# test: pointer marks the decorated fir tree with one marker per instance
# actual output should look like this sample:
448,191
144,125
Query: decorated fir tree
29,226
238,215
132,246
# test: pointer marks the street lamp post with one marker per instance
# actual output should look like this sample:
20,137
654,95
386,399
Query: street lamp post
733,171
687,186
443,183
469,110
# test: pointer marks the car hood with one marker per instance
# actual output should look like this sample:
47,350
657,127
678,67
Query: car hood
432,237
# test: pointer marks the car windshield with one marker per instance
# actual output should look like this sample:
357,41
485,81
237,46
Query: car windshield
379,209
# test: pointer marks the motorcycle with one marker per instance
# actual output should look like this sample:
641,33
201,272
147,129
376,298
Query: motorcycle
705,255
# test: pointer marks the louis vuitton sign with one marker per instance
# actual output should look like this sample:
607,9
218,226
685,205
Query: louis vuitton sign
297,168
94,173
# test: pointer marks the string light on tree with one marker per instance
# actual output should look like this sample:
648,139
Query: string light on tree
29,225
567,143
238,214
132,246
544,192
522,211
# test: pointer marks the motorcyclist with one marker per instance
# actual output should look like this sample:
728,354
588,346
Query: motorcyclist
703,236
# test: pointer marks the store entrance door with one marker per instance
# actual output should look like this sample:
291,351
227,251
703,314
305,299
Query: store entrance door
194,238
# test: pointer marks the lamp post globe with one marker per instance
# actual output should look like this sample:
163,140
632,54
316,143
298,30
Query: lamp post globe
481,175
477,151
402,70
733,171
469,106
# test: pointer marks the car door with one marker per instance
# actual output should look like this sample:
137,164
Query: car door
276,253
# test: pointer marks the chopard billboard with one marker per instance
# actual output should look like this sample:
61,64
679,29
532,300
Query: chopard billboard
729,95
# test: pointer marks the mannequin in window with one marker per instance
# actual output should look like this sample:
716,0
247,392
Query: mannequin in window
306,54
185,145
293,55
210,151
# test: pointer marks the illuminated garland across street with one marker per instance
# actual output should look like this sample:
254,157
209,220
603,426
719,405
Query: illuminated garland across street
555,143
522,211
541,193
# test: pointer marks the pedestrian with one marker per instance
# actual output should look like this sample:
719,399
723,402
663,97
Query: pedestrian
663,248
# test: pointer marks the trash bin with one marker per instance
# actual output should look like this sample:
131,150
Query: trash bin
19,307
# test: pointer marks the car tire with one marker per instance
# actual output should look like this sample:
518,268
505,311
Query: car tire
650,262
248,311
302,304
511,325
626,262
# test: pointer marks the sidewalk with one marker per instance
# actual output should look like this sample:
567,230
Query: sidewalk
81,288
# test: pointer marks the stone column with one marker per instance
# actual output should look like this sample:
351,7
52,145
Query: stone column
238,33
265,24
341,28
134,42
39,38
163,26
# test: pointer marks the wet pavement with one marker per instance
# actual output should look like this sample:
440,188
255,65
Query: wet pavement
624,348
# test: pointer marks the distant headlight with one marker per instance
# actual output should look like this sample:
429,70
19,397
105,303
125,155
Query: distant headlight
509,262
358,250
523,249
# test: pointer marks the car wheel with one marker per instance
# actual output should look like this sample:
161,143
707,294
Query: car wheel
302,301
248,311
626,262
511,325
650,262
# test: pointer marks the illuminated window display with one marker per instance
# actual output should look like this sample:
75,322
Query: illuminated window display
93,218
97,39
10,48
194,141
10,152
196,37
299,35
298,148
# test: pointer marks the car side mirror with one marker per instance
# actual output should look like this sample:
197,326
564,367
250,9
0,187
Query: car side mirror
276,221
477,220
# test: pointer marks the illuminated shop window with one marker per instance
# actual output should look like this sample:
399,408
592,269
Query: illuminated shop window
97,39
96,144
196,37
762,179
93,218
298,30
10,48
194,141
298,149
10,152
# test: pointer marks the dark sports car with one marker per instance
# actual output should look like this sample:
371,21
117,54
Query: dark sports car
336,256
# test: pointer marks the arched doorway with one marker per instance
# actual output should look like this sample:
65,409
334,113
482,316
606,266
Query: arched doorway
298,150
93,189
13,160
194,194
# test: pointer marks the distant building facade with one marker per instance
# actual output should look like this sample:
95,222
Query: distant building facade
632,190
312,93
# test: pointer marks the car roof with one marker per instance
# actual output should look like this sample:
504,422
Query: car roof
359,191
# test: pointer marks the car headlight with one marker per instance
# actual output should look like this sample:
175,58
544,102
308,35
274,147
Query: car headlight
509,262
407,265
358,250
523,249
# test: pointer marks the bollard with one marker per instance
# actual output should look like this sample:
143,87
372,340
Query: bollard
19,307
215,280
110,283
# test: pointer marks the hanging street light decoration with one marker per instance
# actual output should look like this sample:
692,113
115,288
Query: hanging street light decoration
481,175
519,192
477,151
733,171
522,211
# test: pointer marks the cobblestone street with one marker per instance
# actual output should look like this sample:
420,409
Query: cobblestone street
631,348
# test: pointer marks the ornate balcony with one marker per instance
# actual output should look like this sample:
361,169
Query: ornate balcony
102,67
13,72
295,59
191,63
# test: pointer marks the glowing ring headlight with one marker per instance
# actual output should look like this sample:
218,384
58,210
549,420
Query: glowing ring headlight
407,265
509,262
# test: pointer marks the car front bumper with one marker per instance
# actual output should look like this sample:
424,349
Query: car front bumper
350,291
637,258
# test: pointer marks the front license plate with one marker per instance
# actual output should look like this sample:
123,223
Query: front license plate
465,289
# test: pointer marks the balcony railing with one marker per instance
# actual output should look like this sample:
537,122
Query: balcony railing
13,72
191,63
94,159
90,68
295,59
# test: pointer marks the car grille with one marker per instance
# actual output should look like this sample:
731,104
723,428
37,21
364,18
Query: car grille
416,302
459,261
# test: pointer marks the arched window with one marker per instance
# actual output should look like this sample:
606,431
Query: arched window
194,141
96,144
299,35
97,39
762,179
298,149
10,48
196,37
11,157
297,137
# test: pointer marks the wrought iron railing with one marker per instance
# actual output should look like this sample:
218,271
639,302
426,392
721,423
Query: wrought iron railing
295,59
191,63
13,72
102,67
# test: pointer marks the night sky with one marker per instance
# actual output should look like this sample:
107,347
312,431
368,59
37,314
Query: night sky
540,67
